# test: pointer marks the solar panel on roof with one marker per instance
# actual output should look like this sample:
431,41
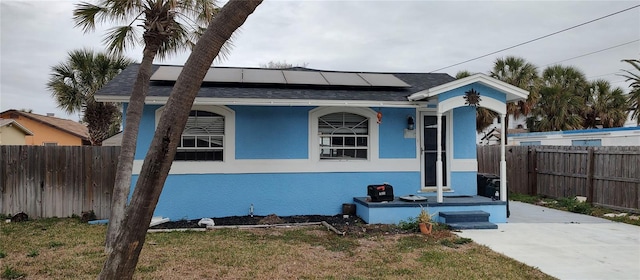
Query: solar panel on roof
263,76
166,73
304,78
273,76
224,75
344,79
383,80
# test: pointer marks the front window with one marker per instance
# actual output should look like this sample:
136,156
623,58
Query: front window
202,138
343,136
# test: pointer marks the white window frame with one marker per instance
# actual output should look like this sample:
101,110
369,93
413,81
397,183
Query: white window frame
448,149
314,139
228,149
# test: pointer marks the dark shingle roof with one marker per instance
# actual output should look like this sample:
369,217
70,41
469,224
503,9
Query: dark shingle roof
122,85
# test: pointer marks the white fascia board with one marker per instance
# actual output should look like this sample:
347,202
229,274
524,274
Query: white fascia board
513,93
19,126
272,102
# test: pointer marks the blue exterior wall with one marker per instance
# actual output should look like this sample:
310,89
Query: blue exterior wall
147,129
272,132
464,182
392,141
464,133
220,195
281,133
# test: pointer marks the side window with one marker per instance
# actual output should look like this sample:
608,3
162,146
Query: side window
343,135
202,138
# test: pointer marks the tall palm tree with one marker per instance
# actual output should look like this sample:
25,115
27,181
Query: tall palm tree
566,77
634,94
484,116
557,109
74,82
561,104
605,106
518,72
167,26
122,261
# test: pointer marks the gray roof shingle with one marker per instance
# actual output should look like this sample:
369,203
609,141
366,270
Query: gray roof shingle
122,85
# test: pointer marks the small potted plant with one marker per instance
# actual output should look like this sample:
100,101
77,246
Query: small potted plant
424,221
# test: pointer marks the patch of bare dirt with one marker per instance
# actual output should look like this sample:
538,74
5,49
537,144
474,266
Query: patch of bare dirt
351,225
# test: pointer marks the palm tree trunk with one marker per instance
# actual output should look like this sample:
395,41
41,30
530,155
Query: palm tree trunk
122,184
122,261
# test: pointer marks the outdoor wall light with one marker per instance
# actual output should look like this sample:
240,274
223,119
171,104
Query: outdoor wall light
411,124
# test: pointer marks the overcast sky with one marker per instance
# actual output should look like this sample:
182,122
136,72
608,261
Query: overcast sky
377,36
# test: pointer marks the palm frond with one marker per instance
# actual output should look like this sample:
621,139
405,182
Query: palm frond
120,38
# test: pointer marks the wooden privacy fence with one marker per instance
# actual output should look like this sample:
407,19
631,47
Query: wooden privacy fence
45,181
607,176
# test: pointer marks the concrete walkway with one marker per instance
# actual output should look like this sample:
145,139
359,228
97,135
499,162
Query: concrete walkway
565,245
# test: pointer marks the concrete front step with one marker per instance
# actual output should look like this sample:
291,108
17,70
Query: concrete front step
464,216
472,225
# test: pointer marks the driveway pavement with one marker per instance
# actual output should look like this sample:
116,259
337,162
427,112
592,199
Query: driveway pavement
565,245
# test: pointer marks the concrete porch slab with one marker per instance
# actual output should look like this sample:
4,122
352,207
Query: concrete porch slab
392,212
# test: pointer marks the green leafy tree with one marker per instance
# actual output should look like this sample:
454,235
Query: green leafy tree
518,72
634,94
167,27
74,82
605,106
122,260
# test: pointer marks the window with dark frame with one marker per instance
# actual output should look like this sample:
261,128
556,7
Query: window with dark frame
202,138
343,135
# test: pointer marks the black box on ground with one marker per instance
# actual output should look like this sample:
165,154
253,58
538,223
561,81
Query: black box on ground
379,193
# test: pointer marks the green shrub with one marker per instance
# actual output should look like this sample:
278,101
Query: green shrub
410,224
3,254
582,208
575,206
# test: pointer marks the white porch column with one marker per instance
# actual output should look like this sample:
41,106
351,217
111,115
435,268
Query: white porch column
503,159
439,158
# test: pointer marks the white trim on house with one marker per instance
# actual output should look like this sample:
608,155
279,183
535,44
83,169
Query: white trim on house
154,100
513,93
259,166
12,122
314,144
458,101
422,112
464,165
229,146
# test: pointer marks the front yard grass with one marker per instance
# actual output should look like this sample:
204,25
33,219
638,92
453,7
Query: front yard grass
69,249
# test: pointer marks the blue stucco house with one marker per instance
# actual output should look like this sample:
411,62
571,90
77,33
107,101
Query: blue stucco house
302,141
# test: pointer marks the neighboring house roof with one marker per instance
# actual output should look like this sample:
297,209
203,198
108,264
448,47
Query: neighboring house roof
68,126
115,140
494,134
631,129
10,122
120,87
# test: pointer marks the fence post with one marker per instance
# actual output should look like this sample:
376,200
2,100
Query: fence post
590,170
533,171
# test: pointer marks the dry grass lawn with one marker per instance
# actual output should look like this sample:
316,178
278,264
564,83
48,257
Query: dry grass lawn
68,249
